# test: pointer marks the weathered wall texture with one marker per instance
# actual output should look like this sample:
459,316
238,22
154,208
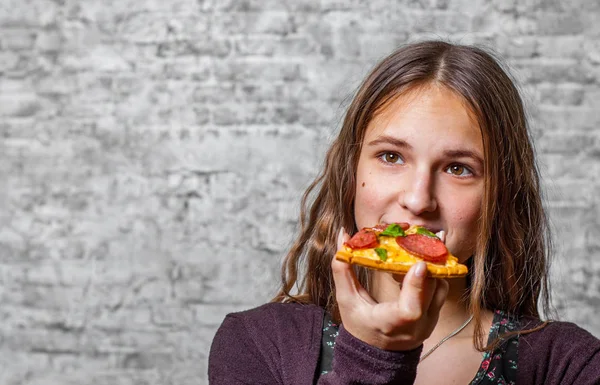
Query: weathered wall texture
138,138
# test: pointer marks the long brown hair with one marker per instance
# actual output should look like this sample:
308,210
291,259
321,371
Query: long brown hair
509,270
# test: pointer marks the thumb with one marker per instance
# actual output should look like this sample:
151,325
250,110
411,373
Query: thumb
416,291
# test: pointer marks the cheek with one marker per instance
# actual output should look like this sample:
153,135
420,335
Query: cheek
368,199
465,221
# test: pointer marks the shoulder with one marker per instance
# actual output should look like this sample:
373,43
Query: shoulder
269,327
559,352
273,316
556,334
256,344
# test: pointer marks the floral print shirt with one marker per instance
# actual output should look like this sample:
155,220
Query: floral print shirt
498,366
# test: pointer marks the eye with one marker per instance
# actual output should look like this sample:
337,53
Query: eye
391,157
458,170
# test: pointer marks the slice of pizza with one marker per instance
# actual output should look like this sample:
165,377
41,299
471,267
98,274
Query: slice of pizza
396,247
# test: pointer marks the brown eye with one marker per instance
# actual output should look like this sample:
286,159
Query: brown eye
390,157
458,170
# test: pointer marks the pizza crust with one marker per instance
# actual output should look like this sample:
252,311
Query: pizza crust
452,269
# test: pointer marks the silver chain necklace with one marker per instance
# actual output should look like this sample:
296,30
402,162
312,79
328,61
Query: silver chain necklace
460,328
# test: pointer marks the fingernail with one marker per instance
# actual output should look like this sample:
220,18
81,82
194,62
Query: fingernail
421,269
340,237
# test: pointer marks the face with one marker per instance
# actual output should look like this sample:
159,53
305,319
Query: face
421,162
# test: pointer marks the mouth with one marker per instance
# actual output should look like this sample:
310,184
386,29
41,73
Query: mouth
440,233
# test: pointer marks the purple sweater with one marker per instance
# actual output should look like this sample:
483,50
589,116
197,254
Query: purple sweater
280,344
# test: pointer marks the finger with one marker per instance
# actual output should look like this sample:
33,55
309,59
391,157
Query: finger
439,297
417,292
347,286
342,237
344,278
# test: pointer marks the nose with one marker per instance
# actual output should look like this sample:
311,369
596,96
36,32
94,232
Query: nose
418,196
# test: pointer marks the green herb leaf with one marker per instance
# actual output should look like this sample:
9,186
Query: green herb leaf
394,230
424,231
382,253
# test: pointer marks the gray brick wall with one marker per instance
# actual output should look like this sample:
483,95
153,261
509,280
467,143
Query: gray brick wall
138,137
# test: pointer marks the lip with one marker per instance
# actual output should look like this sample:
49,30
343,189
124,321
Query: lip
433,229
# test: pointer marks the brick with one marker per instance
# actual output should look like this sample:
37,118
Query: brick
17,39
576,194
505,24
82,363
100,58
196,47
450,22
256,70
275,92
376,47
561,47
213,314
48,41
560,118
559,23
19,104
146,360
259,5
591,49
336,5
337,79
517,46
41,341
567,224
572,165
36,14
292,46
565,70
267,22
154,27
22,365
13,274
172,317
120,342
504,6
43,297
561,94
8,61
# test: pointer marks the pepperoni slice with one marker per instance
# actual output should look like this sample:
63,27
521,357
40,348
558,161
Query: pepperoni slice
364,239
429,248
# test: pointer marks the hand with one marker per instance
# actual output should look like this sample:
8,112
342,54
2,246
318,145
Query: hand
398,325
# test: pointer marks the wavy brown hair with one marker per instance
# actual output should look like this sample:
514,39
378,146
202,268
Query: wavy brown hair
509,270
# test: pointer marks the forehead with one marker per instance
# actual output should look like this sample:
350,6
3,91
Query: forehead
427,112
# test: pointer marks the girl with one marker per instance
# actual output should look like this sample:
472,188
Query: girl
435,136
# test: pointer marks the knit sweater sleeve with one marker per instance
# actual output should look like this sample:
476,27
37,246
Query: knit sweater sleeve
559,354
279,344
236,359
355,362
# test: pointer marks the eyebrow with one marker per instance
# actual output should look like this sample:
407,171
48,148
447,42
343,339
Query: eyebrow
385,139
464,154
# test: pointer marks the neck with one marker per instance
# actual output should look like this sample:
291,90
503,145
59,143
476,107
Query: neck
455,310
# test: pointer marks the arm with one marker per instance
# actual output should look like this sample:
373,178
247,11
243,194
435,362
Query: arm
356,362
244,353
559,354
235,359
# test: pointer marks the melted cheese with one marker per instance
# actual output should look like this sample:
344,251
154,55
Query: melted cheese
396,254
